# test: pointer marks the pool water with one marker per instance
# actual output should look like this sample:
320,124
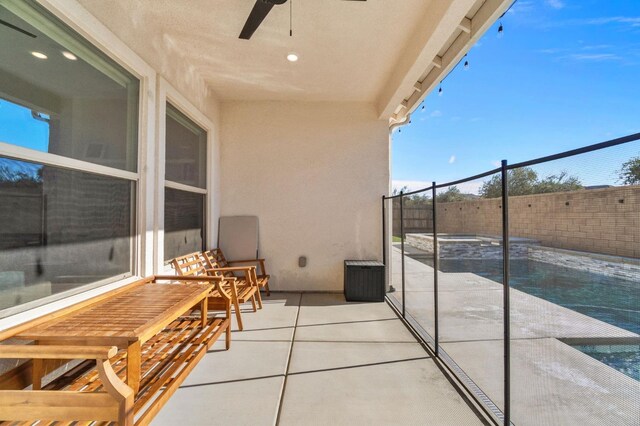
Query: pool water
610,299
613,300
624,358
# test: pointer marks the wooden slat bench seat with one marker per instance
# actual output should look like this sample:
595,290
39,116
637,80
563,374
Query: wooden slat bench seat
94,392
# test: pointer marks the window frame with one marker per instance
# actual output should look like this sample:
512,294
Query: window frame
86,26
167,94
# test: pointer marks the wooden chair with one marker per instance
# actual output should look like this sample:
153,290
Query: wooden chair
216,257
241,289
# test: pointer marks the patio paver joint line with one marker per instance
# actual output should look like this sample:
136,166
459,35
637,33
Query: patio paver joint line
286,373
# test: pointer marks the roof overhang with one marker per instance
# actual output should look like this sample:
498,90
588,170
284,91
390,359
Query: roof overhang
445,35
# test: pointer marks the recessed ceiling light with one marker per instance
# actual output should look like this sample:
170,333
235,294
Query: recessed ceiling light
70,56
292,57
39,55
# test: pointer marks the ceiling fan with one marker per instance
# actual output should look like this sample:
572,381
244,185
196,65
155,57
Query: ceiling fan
260,11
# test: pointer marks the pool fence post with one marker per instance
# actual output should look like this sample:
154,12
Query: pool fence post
402,249
505,293
384,236
435,269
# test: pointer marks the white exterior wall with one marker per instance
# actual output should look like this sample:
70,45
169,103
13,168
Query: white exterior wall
314,174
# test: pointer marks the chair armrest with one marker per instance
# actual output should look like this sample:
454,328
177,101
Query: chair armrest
57,352
260,261
200,278
232,269
249,272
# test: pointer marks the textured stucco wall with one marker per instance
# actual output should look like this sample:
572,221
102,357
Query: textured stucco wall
605,221
313,173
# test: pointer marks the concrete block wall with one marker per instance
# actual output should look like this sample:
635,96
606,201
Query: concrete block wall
605,221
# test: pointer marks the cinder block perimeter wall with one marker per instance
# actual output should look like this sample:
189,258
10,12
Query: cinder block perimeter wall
605,221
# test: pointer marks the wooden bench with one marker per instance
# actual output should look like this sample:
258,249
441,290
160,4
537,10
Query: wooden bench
241,289
169,340
216,259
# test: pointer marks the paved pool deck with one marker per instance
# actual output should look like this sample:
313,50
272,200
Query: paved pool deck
552,383
313,359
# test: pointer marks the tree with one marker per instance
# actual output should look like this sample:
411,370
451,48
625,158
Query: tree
422,200
397,191
558,183
524,181
630,172
15,177
521,182
452,195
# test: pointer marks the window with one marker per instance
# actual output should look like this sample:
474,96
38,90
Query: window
68,161
185,182
184,222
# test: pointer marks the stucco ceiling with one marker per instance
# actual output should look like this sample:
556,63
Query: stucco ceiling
347,49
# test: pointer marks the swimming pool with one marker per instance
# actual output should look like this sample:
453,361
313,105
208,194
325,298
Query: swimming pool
607,298
610,299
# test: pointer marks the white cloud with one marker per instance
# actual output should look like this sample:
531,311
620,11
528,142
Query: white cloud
556,4
496,163
633,20
452,159
552,51
472,187
436,113
412,185
597,47
522,7
597,57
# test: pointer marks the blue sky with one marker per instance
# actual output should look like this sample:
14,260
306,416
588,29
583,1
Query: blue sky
565,73
18,127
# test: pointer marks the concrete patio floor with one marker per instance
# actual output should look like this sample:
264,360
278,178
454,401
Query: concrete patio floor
313,359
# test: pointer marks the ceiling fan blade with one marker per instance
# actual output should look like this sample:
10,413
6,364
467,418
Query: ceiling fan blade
260,11
13,27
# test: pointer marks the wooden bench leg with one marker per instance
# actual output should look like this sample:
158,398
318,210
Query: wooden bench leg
203,311
253,303
266,286
37,371
122,393
134,361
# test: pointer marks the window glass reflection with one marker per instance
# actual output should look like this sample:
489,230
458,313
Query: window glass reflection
186,145
59,94
183,223
60,230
